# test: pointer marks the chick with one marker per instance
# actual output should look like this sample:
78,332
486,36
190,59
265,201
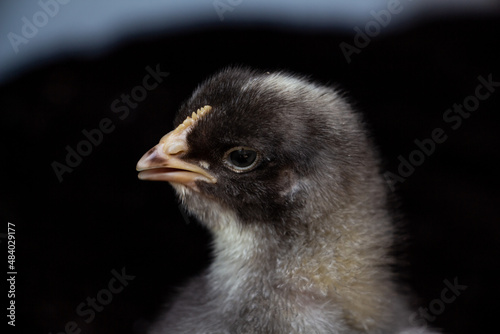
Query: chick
282,172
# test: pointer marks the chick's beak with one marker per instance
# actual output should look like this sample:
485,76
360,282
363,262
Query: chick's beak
163,163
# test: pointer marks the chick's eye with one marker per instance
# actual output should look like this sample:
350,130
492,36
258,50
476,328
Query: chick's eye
241,159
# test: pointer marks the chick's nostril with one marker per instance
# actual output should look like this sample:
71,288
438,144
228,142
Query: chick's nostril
174,148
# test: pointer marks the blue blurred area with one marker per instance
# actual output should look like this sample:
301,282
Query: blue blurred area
37,31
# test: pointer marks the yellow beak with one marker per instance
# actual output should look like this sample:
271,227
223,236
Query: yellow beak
163,163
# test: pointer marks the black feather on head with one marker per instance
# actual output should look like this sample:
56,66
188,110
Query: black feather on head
310,145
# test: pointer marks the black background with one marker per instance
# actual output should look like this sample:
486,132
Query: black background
70,235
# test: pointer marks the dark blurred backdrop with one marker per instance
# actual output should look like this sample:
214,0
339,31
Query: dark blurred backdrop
72,231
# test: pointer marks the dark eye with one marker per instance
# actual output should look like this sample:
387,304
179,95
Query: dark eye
241,159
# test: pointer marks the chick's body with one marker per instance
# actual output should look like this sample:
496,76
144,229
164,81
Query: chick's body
288,183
